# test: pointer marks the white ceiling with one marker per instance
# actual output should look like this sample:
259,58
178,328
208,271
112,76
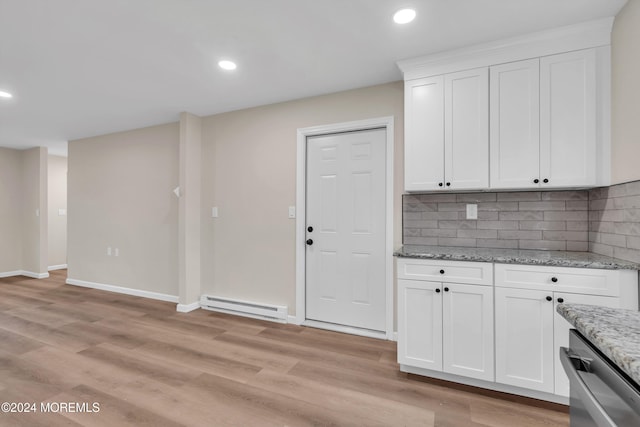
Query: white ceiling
80,68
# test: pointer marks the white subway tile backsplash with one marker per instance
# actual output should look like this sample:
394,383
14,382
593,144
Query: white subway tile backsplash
614,221
603,220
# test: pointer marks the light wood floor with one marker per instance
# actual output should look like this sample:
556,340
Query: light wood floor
147,365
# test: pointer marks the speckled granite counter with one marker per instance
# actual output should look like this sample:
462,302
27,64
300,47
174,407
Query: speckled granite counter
515,256
614,331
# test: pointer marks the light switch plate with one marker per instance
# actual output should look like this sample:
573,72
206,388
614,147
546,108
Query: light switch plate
214,212
292,211
472,211
62,212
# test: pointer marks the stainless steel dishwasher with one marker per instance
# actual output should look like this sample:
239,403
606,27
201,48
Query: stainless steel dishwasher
601,394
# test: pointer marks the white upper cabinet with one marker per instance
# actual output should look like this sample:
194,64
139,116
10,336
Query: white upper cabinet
543,122
568,119
424,134
515,124
531,112
446,132
466,130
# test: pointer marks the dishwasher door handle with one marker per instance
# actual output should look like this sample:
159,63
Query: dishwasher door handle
591,404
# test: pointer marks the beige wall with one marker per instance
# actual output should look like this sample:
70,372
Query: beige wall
57,195
626,94
34,210
10,210
249,173
23,211
121,195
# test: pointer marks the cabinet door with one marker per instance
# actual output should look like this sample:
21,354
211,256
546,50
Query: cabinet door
515,124
568,119
420,324
524,338
468,330
424,134
466,116
561,331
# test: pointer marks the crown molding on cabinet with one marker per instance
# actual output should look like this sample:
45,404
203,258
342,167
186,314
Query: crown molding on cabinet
564,39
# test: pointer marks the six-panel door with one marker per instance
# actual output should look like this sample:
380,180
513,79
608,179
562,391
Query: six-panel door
345,257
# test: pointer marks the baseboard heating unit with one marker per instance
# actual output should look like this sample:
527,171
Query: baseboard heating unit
274,313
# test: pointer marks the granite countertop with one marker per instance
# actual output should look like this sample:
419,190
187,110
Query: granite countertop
516,256
613,331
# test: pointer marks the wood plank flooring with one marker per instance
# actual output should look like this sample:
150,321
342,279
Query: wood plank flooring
147,365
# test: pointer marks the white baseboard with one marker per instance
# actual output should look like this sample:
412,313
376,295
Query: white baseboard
186,308
293,320
57,267
10,273
24,273
35,275
123,290
345,329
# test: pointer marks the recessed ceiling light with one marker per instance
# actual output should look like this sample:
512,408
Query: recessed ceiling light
404,16
5,94
227,65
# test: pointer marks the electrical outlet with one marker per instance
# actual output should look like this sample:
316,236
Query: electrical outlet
117,252
108,250
214,212
292,212
472,211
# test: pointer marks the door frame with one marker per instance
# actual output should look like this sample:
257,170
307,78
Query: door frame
386,123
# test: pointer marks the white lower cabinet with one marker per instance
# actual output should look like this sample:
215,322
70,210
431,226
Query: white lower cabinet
448,327
524,338
467,330
529,331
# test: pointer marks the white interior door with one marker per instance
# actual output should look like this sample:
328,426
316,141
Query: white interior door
345,212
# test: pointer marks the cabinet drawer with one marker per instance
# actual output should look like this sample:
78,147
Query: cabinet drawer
477,273
558,279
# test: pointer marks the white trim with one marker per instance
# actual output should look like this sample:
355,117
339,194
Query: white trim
301,187
395,337
345,329
24,273
57,267
123,290
292,319
186,308
564,39
10,273
490,385
34,275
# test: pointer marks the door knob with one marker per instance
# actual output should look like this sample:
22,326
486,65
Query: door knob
448,184
560,300
309,229
545,180
441,271
554,279
309,242
446,289
437,290
440,184
535,181
549,299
